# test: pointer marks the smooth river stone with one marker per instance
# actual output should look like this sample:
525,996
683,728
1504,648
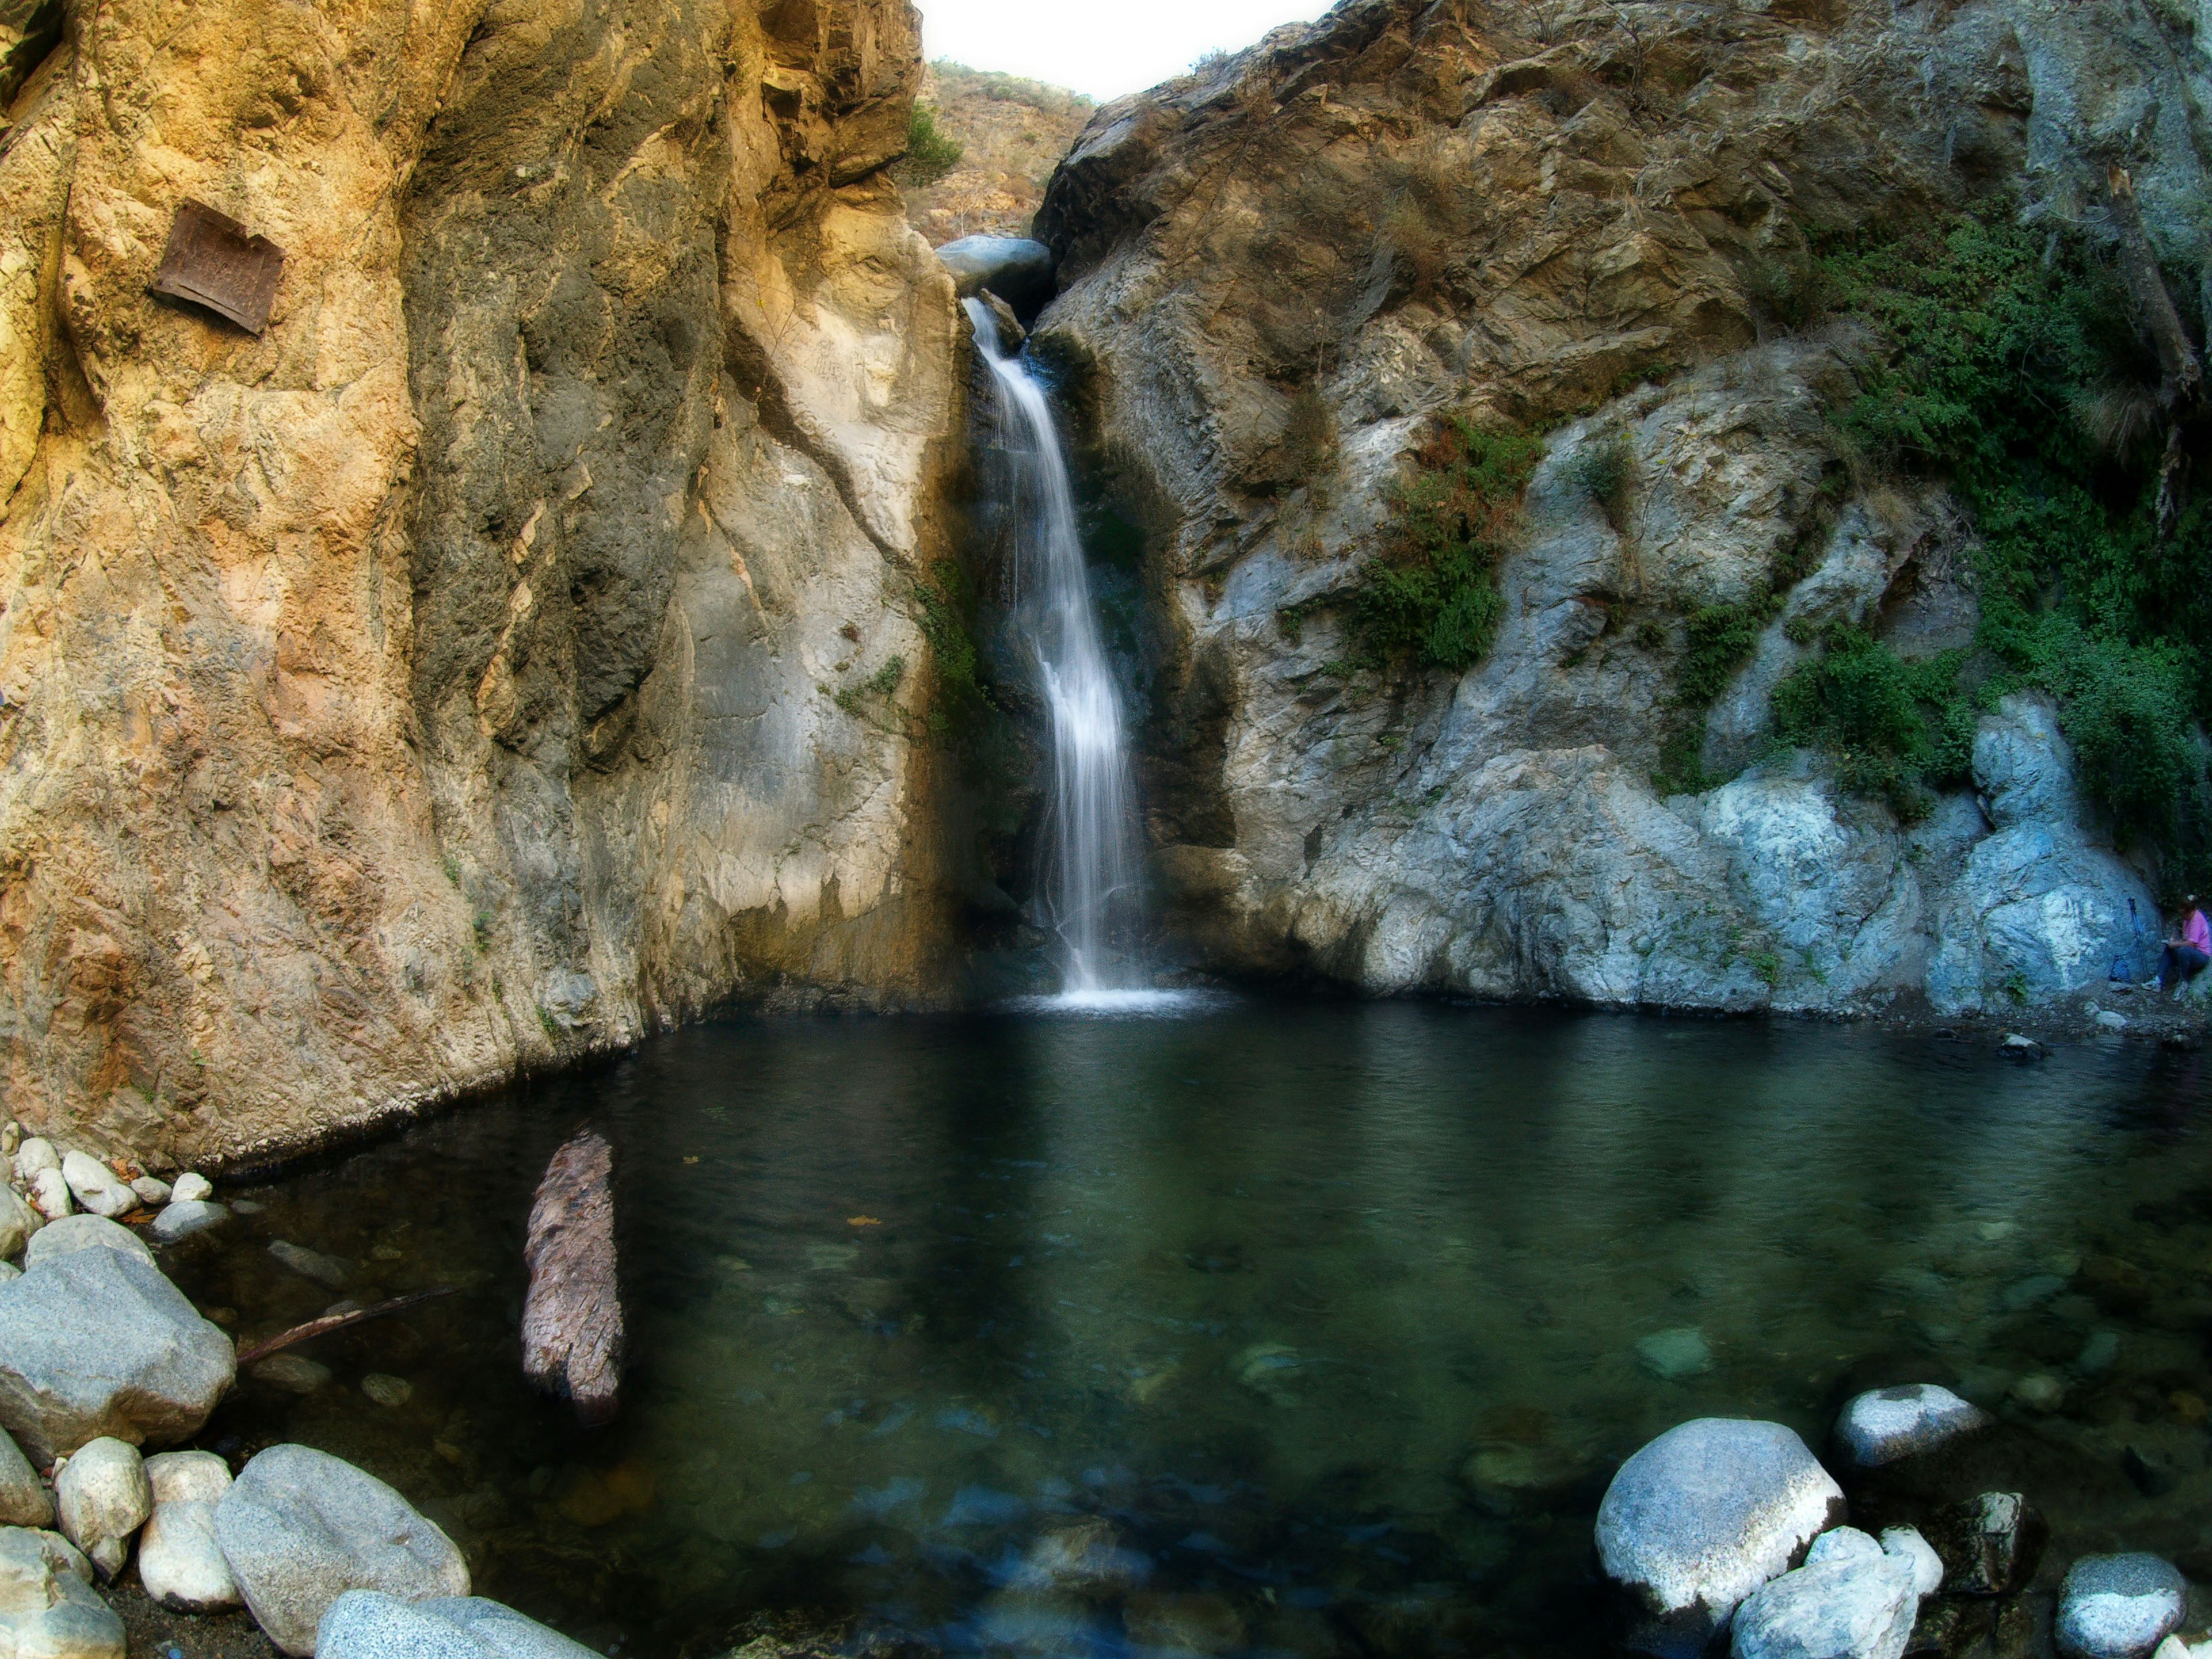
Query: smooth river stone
24,1499
192,1189
180,1563
18,1221
84,1232
1854,1605
97,1342
369,1625
48,1608
299,1528
1885,1425
95,1186
1706,1514
104,1498
2118,1607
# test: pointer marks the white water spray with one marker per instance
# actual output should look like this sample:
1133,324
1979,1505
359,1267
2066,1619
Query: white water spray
1090,882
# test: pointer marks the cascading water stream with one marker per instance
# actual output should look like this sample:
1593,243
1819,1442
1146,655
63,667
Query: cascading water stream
1091,881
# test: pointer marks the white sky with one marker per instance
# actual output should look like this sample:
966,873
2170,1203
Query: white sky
1105,50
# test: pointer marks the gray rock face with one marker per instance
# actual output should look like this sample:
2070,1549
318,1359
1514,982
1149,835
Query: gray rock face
84,1232
24,1500
300,1528
97,1342
48,1608
1854,1605
369,1625
1710,1510
1018,270
2118,1607
1884,1425
103,1499
185,1216
1262,375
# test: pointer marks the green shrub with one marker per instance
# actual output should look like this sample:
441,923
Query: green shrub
931,152
1894,728
1429,596
2010,363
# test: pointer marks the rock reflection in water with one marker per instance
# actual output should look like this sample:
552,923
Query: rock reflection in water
1315,1329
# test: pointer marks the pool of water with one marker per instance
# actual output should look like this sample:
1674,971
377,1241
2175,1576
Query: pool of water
1235,1327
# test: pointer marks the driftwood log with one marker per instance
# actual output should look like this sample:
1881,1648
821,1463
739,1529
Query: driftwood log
572,1318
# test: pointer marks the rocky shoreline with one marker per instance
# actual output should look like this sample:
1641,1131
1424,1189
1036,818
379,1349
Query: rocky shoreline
102,1359
1728,1532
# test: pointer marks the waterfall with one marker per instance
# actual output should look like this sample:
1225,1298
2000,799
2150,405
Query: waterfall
1090,890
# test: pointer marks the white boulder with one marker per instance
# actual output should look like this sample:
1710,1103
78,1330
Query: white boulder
180,1563
1884,1425
97,1342
1709,1511
34,1156
370,1624
49,1194
192,1189
1906,1544
187,1477
104,1499
95,1186
2118,1607
1853,1605
48,1608
300,1528
185,1217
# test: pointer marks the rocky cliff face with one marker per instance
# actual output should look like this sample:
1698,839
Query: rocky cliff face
1275,274
514,646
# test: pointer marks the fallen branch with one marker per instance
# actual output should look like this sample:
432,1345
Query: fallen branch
330,1323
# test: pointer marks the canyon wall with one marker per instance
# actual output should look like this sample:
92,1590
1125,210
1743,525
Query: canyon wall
513,647
1278,272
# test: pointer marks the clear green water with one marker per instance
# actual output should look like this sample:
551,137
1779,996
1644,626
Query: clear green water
1325,1317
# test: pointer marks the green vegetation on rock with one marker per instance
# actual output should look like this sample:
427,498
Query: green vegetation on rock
1895,729
2008,362
1429,596
931,152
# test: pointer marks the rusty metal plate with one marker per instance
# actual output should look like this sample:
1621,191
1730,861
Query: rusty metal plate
211,261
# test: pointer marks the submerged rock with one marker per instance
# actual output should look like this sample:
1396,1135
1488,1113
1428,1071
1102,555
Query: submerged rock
2118,1607
294,1373
97,1342
103,1498
1676,1353
1884,1425
48,1608
325,1270
300,1528
1706,1514
370,1624
182,1218
1990,1545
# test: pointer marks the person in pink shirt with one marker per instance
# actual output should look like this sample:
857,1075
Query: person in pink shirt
2188,952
